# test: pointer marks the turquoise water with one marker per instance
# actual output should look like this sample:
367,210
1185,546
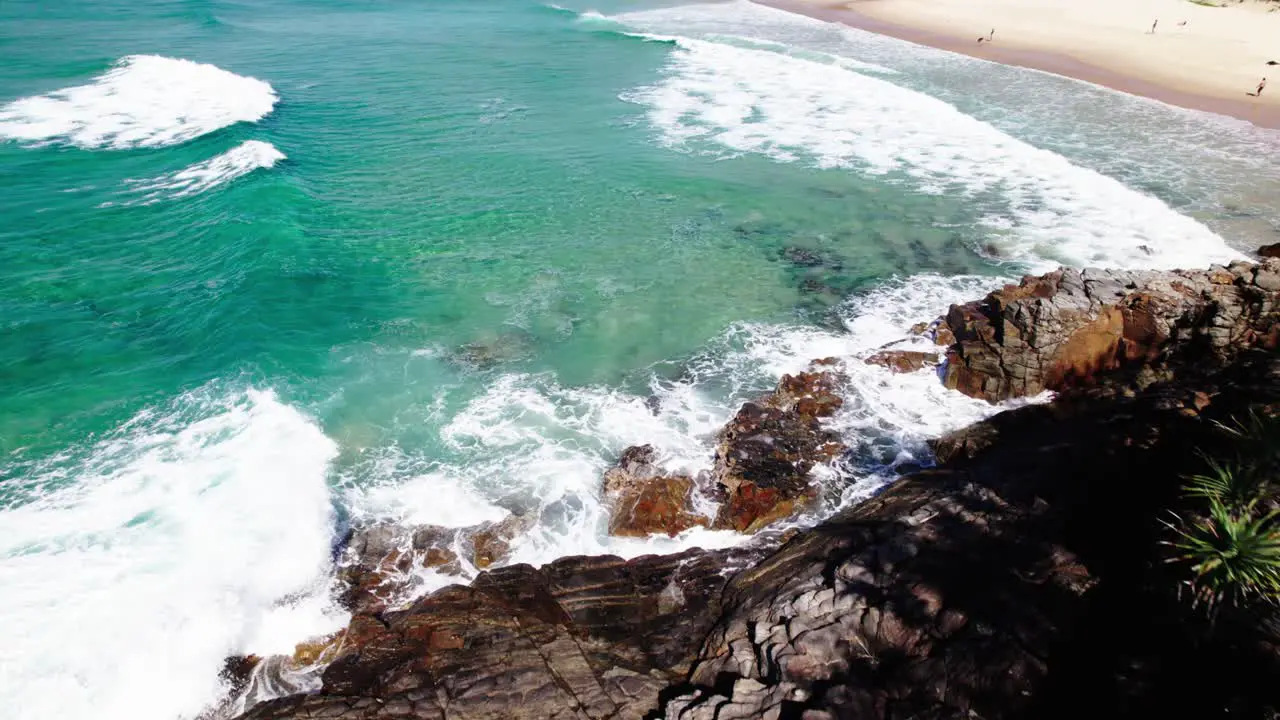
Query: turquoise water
441,261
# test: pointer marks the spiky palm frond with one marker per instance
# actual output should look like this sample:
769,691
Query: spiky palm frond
1238,487
1233,557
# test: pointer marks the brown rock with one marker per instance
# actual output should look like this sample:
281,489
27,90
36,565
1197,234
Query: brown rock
766,452
491,541
903,361
644,501
943,336
1073,328
1269,251
317,650
1092,348
438,557
489,549
751,507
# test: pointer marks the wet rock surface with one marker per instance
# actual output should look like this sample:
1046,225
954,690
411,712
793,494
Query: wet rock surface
644,500
767,450
1067,328
760,472
903,361
381,563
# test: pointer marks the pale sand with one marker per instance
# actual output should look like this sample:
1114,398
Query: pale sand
1208,64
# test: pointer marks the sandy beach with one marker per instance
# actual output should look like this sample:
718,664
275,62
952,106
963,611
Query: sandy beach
1202,57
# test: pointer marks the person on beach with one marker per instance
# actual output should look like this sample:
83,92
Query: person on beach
1261,85
1153,26
991,35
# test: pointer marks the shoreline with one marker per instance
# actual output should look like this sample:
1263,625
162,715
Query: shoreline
1262,115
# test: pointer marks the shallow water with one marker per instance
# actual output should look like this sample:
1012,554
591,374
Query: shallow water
268,268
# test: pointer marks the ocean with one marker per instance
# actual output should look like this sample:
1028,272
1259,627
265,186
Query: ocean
272,268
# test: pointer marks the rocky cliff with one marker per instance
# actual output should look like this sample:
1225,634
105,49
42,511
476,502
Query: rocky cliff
1069,328
1020,578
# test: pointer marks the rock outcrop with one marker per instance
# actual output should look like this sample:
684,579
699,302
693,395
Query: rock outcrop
1069,327
759,475
643,500
579,638
381,563
767,450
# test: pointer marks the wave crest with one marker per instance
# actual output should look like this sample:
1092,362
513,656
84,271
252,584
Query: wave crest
219,170
143,101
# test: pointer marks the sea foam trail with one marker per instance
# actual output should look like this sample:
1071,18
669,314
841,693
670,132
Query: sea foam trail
723,99
144,101
132,572
530,445
219,170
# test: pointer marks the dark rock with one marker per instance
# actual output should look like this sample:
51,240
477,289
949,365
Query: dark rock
810,258
643,500
579,638
990,587
489,352
1269,251
237,669
802,257
817,286
903,361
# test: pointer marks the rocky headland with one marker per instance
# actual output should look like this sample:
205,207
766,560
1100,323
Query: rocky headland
1020,577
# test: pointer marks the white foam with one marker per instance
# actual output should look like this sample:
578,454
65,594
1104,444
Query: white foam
171,544
724,100
218,170
144,101
529,445
431,498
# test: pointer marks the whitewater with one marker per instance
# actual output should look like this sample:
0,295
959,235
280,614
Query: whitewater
203,524
144,101
219,170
